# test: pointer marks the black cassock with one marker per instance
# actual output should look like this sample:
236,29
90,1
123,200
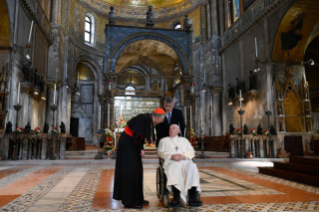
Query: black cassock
128,180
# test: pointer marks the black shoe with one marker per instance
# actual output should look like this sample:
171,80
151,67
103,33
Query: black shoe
174,204
133,206
194,199
176,200
145,202
195,202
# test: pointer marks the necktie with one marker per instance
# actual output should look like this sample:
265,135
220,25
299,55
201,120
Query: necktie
169,118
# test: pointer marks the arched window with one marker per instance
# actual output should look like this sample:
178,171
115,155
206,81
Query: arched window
128,89
178,26
89,29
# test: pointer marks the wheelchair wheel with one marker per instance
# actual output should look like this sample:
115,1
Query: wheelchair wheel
159,184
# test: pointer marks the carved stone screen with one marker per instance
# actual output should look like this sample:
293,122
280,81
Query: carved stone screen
128,107
292,112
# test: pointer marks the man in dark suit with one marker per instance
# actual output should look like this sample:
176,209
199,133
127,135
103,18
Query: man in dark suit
173,116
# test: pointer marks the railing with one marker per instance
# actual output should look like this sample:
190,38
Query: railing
260,146
27,146
258,10
38,14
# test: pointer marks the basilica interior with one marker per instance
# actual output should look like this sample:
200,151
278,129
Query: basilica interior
244,73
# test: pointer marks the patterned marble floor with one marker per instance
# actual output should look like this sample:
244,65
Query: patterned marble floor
226,186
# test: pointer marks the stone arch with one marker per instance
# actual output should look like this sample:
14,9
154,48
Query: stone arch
293,32
97,70
151,36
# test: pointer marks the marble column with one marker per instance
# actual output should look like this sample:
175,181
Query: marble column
214,19
221,20
66,107
227,14
208,24
216,110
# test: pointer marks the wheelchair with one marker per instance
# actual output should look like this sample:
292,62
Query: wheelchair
161,180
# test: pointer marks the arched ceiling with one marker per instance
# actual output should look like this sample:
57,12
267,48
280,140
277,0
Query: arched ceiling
143,3
136,9
5,35
294,31
151,53
84,71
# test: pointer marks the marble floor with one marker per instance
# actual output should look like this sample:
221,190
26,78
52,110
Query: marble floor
226,186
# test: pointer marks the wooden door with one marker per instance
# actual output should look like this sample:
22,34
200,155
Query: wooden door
293,144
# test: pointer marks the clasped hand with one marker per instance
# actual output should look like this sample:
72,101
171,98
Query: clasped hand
178,157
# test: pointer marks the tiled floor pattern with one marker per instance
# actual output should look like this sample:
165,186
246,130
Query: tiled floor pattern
215,184
93,190
23,202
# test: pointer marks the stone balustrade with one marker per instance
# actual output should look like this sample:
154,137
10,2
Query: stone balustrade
27,146
260,146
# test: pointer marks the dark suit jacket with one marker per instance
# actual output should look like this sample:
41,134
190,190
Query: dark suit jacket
162,129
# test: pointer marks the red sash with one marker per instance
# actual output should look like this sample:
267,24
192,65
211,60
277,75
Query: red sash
128,131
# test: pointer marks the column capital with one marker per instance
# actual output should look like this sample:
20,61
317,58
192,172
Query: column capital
50,84
169,94
215,89
187,81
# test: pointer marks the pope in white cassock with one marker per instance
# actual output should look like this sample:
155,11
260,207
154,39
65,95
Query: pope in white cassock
181,172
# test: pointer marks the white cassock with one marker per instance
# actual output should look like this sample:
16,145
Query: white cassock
183,174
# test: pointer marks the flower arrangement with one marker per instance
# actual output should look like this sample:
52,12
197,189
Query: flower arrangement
122,122
238,131
253,132
37,130
54,130
193,140
267,132
108,144
19,130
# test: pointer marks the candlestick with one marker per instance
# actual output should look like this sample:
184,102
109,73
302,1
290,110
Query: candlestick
54,94
108,115
185,114
256,47
18,93
240,99
30,32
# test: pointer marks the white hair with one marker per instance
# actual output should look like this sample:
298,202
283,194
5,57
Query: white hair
176,126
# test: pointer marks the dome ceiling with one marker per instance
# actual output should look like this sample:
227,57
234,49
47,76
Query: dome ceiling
137,9
143,3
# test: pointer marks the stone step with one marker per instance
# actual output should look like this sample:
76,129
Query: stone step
293,176
306,160
298,168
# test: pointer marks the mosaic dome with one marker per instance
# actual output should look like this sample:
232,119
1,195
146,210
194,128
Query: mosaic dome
137,8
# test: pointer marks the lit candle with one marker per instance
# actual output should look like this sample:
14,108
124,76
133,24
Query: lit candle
30,32
54,94
256,47
108,115
240,100
19,93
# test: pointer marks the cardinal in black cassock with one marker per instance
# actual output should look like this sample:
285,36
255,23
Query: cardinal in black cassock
128,180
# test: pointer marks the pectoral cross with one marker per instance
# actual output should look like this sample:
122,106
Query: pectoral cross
176,148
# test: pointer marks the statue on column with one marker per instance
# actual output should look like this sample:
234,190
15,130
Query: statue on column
36,78
252,81
150,17
187,25
111,16
27,72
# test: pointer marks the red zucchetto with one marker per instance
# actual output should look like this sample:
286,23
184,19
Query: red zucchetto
159,111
